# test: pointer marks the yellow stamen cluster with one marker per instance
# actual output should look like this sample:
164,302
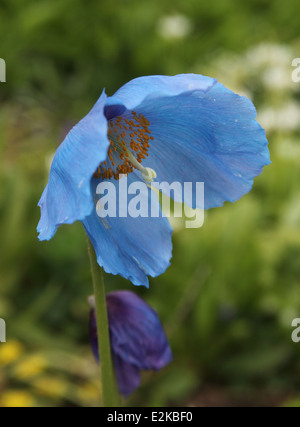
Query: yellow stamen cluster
129,140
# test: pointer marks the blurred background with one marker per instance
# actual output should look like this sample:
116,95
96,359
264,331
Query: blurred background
232,291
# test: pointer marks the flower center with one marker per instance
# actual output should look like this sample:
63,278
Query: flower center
129,137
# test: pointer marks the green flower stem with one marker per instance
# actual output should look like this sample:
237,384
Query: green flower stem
110,394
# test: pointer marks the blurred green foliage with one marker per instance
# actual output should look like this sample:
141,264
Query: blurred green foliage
229,297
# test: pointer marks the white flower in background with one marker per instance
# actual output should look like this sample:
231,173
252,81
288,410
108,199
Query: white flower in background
269,55
265,69
266,64
174,26
286,118
278,77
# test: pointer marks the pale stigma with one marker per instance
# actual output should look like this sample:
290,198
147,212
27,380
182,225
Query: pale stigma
148,174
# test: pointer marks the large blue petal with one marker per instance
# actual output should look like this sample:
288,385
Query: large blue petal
209,137
131,247
67,197
134,92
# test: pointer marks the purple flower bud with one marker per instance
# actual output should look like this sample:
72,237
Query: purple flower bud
138,340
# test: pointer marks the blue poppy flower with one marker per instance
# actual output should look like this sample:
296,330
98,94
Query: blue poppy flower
184,128
138,341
